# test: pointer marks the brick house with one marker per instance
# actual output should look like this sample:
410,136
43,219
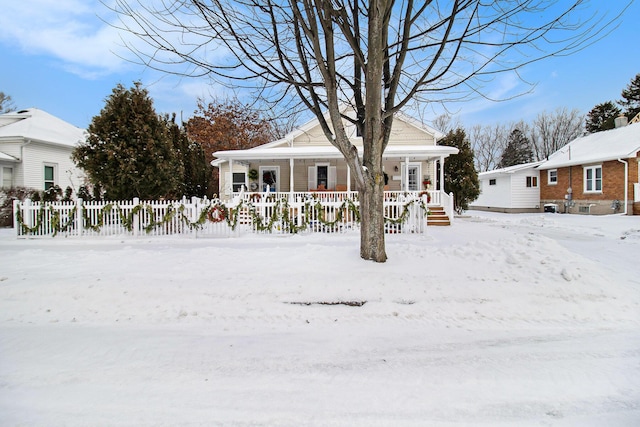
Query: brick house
595,174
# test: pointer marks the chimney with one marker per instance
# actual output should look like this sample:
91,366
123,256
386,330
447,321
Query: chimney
621,121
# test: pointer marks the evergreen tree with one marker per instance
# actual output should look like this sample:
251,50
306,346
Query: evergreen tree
631,98
460,175
602,117
517,151
128,152
196,170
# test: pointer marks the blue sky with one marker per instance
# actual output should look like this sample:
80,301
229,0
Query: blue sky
62,57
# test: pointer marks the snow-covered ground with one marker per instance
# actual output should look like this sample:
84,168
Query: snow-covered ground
499,320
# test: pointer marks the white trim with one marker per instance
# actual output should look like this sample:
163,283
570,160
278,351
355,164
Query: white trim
594,180
55,174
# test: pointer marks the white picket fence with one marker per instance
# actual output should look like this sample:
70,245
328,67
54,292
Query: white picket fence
274,213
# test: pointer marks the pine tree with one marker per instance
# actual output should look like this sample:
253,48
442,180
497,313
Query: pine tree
196,170
631,98
461,177
517,151
128,152
602,117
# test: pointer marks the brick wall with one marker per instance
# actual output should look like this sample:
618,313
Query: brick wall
612,187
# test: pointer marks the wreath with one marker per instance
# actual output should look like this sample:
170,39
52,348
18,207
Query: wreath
425,193
216,214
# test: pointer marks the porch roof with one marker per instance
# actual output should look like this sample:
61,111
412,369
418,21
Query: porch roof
413,152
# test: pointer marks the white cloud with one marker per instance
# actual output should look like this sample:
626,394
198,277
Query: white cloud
71,31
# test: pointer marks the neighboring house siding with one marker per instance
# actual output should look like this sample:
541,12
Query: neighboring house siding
510,192
523,197
36,155
613,180
494,196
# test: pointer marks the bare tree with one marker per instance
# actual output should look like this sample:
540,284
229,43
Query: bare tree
376,56
488,144
6,103
552,131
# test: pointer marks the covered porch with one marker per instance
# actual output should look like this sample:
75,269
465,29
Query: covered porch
319,173
322,169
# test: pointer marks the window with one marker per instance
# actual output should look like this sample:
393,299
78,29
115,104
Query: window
552,177
532,181
492,181
7,177
239,179
323,176
593,179
49,176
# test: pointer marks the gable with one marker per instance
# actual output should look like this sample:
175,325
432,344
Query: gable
404,131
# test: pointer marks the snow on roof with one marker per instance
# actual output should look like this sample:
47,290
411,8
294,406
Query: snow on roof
6,157
37,125
619,143
509,170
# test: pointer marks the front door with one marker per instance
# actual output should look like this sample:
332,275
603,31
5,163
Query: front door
269,178
411,179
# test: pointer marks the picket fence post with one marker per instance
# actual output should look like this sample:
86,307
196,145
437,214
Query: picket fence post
135,221
16,206
79,216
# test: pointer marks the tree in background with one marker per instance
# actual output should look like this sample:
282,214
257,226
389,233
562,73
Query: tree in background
602,117
196,170
6,103
552,131
518,150
227,125
460,176
631,98
488,142
128,152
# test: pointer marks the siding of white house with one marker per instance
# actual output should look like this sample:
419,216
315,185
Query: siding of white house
66,173
510,192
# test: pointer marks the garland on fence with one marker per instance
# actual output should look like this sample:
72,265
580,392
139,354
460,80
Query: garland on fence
281,215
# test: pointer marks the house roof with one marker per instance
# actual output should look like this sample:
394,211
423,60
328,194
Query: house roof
6,157
619,143
415,152
509,170
37,125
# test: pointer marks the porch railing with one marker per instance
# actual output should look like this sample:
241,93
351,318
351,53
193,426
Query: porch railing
276,213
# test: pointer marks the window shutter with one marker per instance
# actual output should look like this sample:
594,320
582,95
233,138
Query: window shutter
333,177
311,176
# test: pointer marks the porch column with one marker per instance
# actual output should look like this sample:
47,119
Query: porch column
348,178
406,174
442,173
229,185
291,162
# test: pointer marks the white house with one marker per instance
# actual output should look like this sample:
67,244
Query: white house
305,161
512,189
35,151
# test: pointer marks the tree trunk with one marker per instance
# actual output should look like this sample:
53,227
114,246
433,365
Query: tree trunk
372,245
